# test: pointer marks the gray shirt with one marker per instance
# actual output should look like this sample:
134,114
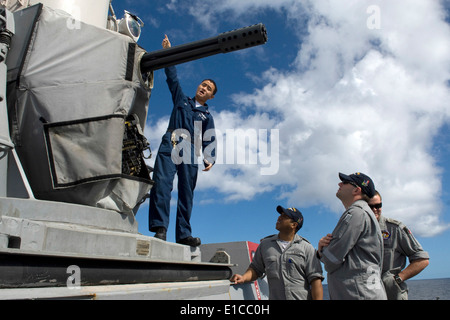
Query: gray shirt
289,272
353,259
399,243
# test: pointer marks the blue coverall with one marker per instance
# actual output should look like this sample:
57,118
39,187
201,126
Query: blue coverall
184,116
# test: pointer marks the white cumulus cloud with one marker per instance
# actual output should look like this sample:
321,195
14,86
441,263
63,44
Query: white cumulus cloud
356,99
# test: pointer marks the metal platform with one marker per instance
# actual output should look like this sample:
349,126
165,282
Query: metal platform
46,244
208,290
56,227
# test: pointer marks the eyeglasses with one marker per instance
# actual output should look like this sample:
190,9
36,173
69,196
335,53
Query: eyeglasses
376,206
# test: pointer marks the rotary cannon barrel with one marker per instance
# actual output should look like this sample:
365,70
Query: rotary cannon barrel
225,42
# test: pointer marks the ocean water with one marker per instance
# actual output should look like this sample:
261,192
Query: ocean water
431,289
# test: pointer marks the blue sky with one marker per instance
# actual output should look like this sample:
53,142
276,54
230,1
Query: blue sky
342,86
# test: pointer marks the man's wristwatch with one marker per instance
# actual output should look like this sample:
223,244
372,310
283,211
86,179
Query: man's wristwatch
398,279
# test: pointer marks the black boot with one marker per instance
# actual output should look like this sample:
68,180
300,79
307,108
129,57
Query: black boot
190,241
161,233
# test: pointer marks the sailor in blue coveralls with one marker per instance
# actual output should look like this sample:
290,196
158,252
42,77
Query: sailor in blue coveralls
177,154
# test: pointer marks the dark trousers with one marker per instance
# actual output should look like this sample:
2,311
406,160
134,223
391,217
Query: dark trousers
160,195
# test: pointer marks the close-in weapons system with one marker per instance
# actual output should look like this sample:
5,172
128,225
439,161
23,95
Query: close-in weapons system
74,97
224,43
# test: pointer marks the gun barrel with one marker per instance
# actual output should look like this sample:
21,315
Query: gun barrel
225,42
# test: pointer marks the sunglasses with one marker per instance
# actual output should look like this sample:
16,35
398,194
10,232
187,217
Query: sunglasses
352,183
376,206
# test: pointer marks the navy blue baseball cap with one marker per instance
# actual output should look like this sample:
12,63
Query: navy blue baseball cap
292,213
361,180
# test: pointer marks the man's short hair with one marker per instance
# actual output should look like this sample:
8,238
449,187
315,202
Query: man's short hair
365,197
